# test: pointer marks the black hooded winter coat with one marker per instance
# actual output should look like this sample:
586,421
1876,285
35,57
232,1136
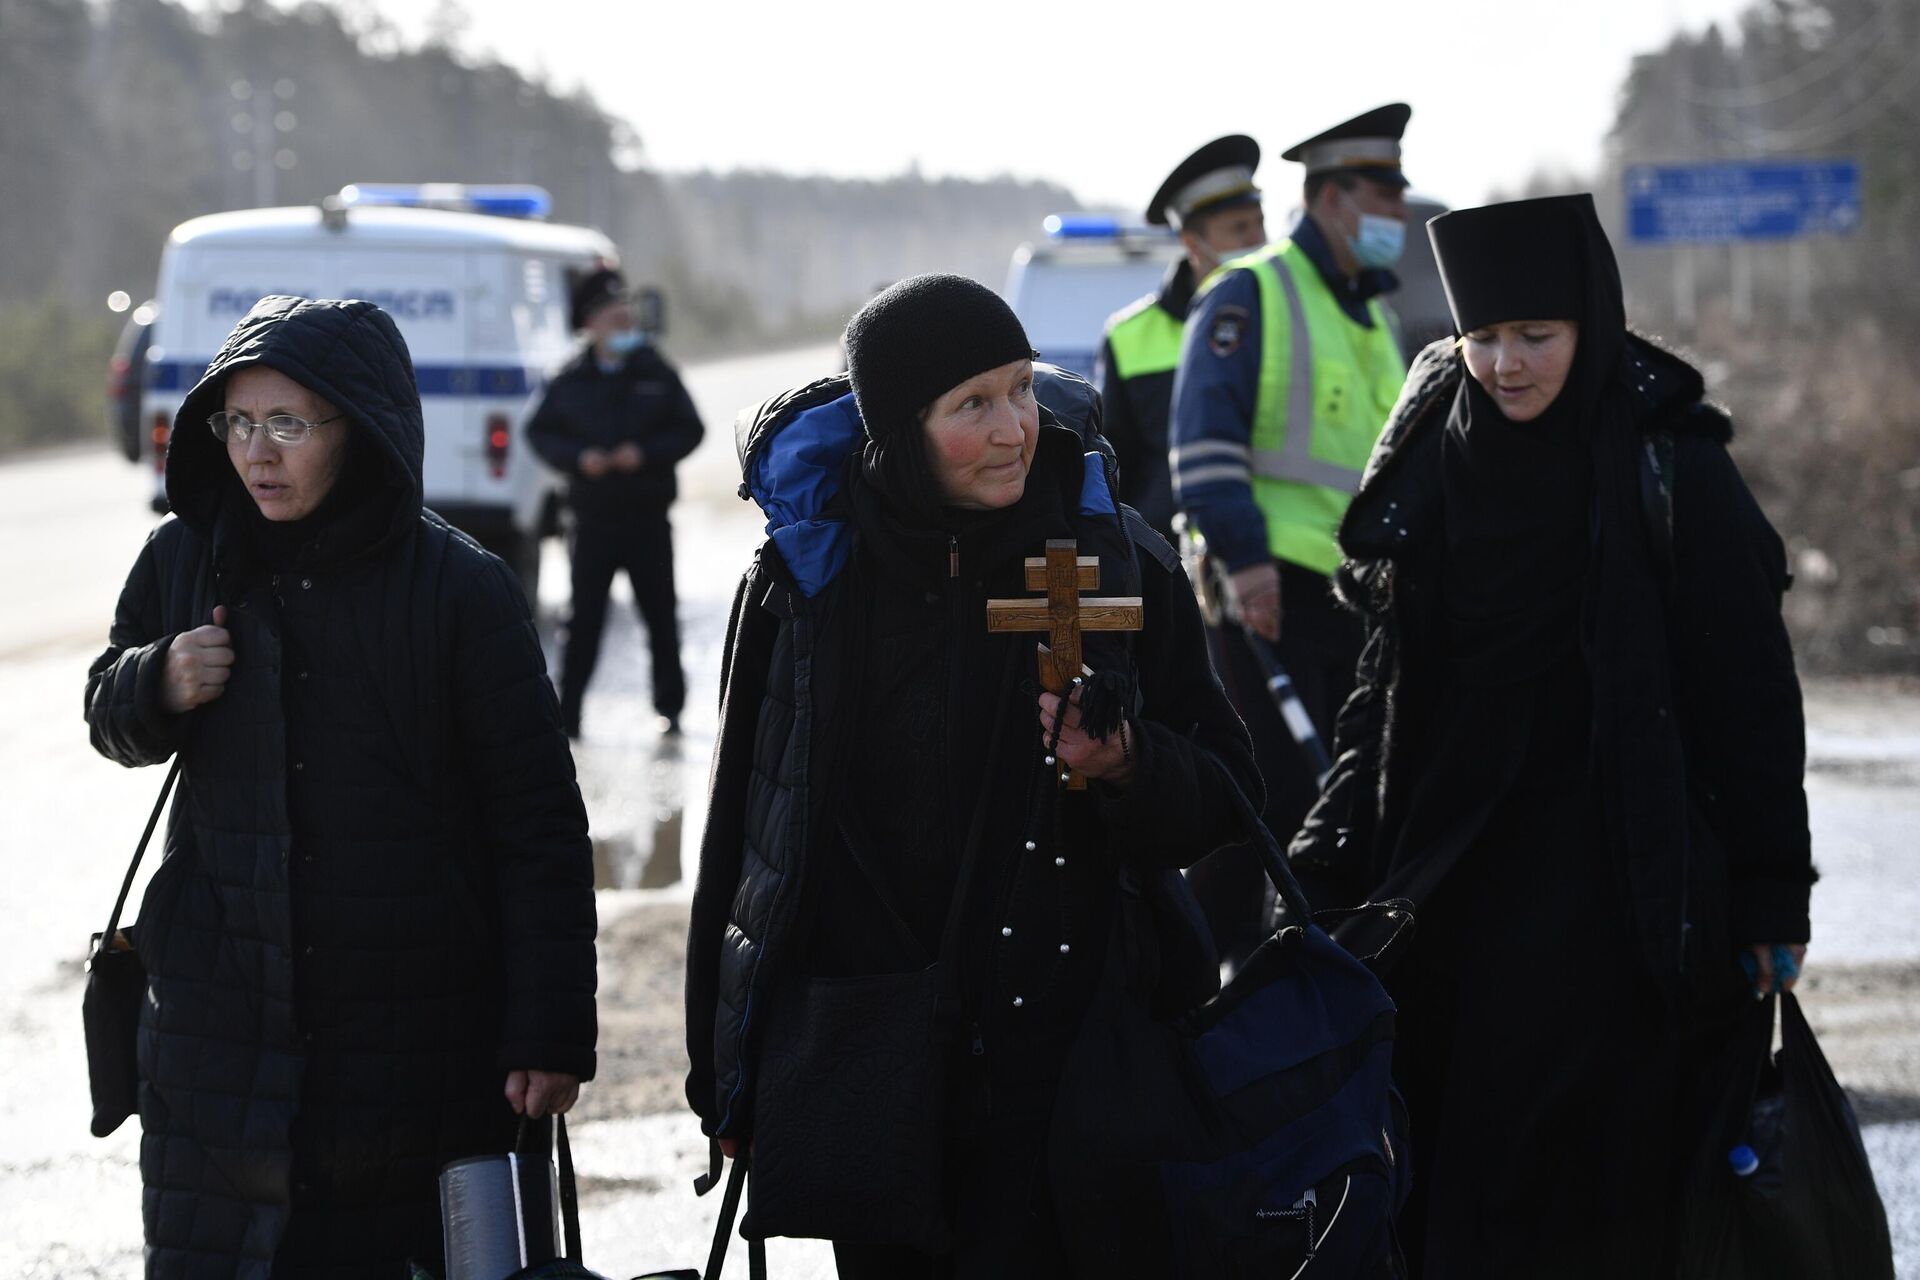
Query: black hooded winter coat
1726,862
377,896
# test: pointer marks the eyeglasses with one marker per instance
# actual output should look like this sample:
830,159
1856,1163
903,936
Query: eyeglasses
281,428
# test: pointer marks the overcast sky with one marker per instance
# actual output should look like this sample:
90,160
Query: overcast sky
1103,97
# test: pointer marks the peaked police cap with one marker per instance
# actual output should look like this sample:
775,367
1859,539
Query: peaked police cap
1216,176
1368,145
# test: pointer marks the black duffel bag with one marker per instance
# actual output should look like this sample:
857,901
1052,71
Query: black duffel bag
1253,1134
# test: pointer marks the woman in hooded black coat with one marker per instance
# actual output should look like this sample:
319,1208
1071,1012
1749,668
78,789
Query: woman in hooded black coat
371,938
873,731
1576,745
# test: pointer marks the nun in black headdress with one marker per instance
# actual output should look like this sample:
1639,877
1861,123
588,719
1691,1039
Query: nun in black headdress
1577,745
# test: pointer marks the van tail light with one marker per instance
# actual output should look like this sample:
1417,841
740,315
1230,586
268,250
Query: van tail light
117,377
162,429
499,437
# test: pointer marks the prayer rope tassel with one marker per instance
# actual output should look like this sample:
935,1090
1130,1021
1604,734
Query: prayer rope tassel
1104,701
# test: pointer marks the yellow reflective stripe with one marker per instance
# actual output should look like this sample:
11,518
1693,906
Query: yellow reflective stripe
1144,340
1293,459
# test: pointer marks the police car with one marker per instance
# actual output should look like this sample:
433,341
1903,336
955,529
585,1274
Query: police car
478,282
1087,266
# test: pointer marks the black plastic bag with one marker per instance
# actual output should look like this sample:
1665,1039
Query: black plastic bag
1782,1187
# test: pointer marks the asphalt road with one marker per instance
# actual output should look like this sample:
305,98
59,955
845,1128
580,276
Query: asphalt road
69,1204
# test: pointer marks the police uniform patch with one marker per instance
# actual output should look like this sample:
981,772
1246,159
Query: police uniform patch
1229,325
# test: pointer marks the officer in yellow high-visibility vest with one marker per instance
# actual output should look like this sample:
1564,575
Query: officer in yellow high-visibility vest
1211,201
1289,366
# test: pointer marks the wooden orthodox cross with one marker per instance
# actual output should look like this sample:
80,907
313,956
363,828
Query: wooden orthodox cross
1063,615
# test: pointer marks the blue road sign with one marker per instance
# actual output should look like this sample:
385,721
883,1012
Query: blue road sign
1758,200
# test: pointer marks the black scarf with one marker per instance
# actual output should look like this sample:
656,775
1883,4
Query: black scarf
908,779
1516,501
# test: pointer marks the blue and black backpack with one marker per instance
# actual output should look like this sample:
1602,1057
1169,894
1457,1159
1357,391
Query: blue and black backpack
1257,1134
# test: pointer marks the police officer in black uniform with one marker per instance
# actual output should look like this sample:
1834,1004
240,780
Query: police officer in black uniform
616,420
1211,201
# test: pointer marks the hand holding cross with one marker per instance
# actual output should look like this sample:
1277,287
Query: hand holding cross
1063,615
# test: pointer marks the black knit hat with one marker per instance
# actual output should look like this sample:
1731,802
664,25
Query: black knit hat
595,289
920,339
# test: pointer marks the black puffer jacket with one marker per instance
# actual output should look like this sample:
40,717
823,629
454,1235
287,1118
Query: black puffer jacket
377,892
788,699
1732,866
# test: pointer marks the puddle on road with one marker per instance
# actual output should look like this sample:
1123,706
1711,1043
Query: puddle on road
637,799
650,860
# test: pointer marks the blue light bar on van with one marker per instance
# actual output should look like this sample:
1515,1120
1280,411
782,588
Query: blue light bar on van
511,200
1082,226
506,200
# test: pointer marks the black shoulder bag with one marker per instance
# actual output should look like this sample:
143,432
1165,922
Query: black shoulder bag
850,1115
849,1139
116,986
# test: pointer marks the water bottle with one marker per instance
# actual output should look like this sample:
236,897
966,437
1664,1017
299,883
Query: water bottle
1756,1162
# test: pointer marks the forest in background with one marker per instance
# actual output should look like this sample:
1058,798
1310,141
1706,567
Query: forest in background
1810,344
122,118
751,259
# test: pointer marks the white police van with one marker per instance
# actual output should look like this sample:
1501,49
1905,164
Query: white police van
1089,265
478,283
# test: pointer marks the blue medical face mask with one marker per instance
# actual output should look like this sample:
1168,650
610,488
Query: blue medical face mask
622,341
1379,242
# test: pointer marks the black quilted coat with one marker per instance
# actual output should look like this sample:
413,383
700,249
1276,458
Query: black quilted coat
1719,852
785,720
377,896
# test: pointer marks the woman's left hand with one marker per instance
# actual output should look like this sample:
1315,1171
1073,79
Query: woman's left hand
1761,969
535,1094
1103,760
